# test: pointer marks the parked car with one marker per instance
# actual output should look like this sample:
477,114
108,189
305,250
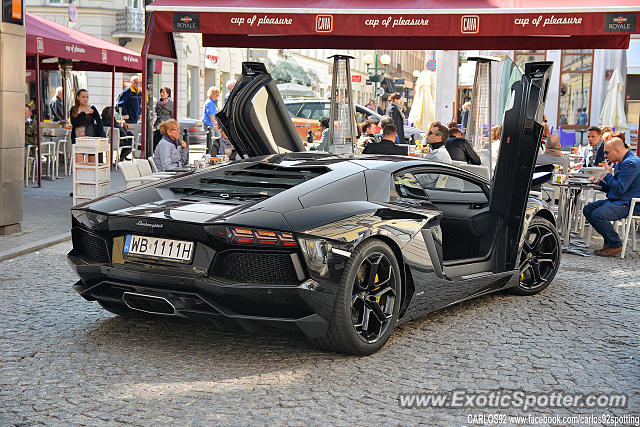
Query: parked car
342,248
306,115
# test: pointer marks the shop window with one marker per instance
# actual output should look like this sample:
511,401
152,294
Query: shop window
193,90
521,57
632,98
575,88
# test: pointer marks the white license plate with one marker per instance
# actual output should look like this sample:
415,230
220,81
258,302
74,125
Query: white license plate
154,247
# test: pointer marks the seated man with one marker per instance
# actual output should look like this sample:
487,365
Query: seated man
436,138
30,131
459,148
552,155
386,144
594,153
620,188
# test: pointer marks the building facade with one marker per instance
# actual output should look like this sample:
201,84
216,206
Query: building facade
578,87
117,21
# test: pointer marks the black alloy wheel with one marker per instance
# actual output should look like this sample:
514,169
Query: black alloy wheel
373,297
367,302
539,257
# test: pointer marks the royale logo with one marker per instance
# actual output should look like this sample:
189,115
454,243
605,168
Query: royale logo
324,23
470,24
186,21
620,22
146,224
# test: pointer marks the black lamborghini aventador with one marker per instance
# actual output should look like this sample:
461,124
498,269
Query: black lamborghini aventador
342,248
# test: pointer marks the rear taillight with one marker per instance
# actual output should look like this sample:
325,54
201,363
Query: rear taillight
251,236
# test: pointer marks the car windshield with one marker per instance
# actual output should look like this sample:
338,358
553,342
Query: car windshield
238,184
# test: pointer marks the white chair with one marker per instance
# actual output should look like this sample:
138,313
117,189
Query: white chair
64,150
630,226
30,163
143,167
48,151
152,163
130,174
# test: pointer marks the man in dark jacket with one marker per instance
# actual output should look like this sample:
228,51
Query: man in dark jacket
386,144
130,101
55,106
394,110
459,148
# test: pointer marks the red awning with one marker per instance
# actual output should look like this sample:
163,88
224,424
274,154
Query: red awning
88,53
400,25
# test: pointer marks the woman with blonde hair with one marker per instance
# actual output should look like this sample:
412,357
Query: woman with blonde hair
171,152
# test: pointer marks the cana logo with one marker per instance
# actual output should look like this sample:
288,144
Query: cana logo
186,21
620,22
470,24
324,23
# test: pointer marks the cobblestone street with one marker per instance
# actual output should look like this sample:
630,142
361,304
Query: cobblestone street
66,361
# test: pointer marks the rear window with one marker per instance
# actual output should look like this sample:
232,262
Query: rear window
293,108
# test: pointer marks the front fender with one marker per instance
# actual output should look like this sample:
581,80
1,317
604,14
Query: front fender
535,208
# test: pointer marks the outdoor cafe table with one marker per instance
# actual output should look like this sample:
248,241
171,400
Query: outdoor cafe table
568,193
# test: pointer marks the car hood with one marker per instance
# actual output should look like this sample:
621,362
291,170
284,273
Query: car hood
255,119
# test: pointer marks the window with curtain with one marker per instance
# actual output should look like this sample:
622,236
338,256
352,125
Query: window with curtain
575,88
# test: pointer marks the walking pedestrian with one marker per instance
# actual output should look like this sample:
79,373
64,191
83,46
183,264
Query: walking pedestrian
130,101
210,110
394,110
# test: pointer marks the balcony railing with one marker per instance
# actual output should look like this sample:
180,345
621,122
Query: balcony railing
130,20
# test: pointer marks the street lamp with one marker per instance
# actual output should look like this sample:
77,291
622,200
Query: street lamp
376,74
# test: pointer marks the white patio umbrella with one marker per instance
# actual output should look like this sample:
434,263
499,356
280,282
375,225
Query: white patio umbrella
613,109
423,109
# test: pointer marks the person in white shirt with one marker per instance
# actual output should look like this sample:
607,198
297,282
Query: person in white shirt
436,138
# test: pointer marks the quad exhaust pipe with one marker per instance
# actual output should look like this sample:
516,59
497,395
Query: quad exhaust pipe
148,303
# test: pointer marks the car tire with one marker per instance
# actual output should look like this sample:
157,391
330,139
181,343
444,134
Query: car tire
539,258
367,302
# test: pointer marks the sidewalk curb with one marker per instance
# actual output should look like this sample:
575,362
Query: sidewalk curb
32,247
